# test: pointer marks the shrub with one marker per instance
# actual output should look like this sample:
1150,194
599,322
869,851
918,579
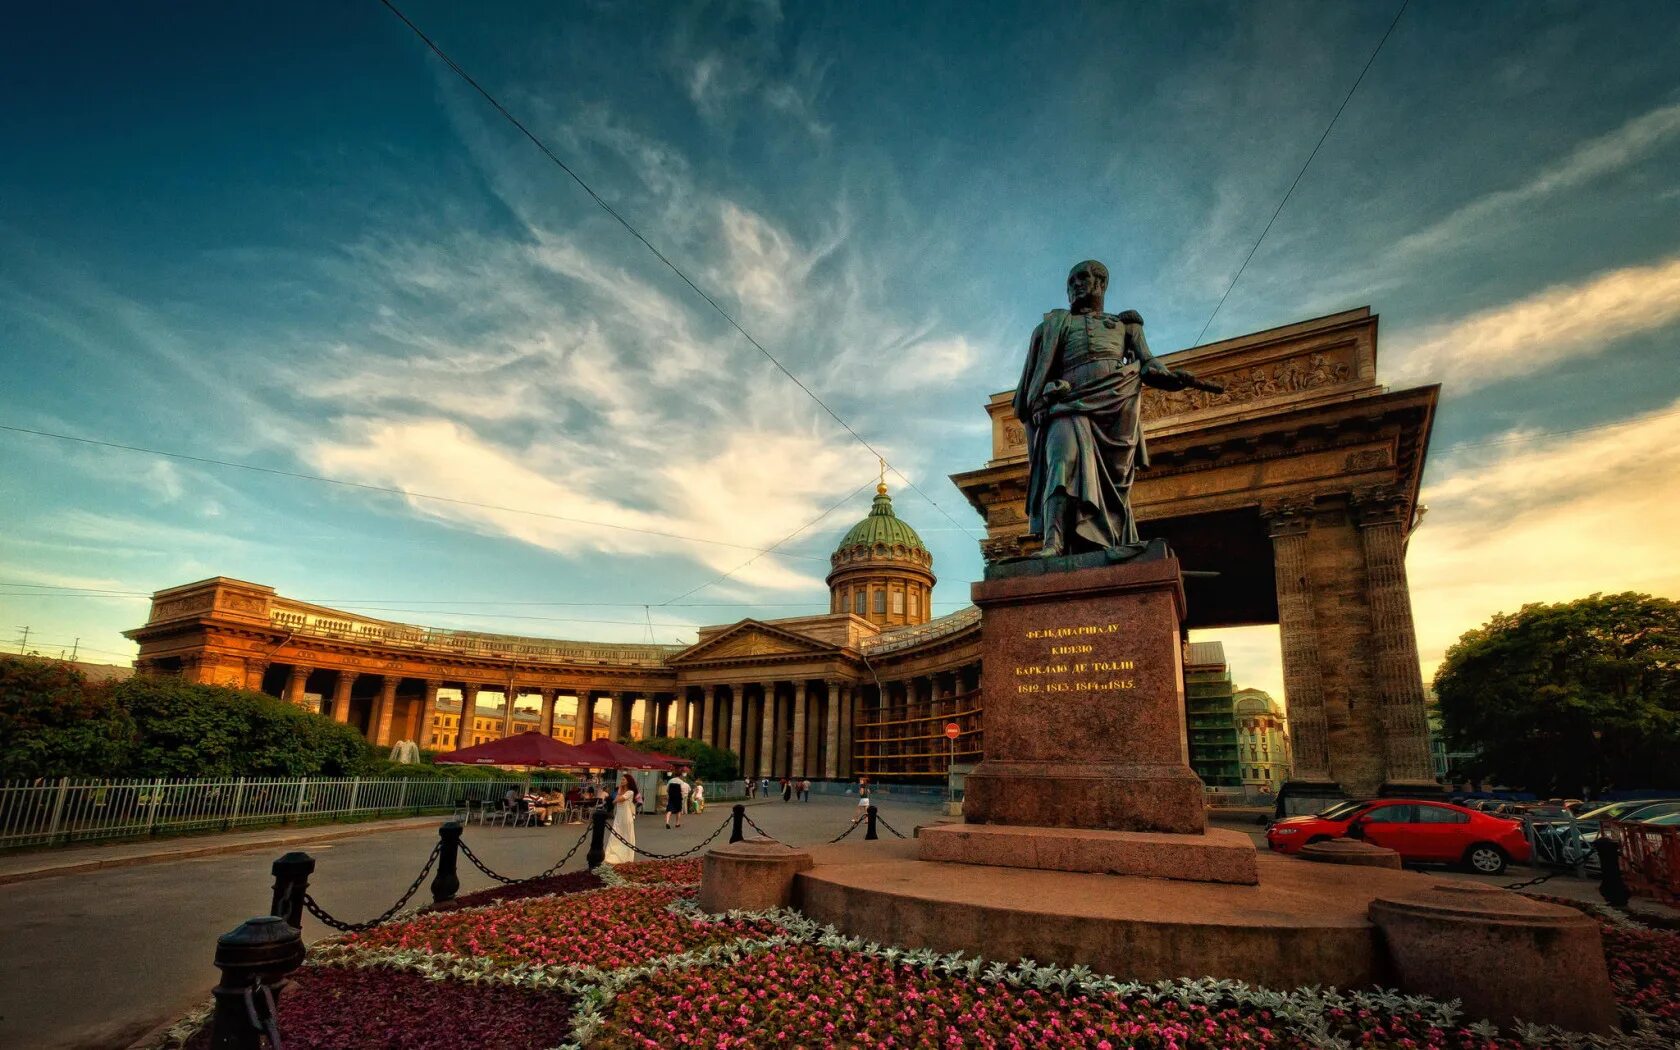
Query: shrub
710,763
53,723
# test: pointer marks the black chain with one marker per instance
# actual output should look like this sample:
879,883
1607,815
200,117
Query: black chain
674,856
851,828
882,821
553,869
269,1025
1532,882
758,829
357,927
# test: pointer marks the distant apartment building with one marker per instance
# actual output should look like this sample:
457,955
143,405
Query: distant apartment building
1210,710
1262,741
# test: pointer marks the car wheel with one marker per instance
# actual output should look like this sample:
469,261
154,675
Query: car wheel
1485,859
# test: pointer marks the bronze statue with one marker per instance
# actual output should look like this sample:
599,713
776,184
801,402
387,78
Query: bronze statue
1078,400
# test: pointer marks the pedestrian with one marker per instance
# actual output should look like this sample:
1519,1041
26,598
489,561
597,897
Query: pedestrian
622,848
676,793
863,800
805,790
698,795
787,790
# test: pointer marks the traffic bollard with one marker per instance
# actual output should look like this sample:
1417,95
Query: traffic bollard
254,959
291,882
869,832
447,881
738,832
597,838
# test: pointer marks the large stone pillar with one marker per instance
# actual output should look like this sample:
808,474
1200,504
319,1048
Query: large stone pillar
469,714
546,724
621,712
341,696
703,719
767,732
428,710
296,684
380,731
1303,680
737,722
831,735
510,693
679,707
848,729
255,669
1399,676
797,768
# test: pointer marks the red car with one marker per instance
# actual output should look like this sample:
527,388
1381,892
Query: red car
1434,832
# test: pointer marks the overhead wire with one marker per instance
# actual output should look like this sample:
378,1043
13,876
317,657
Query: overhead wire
1290,192
496,104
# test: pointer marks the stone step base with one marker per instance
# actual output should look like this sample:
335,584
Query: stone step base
1217,855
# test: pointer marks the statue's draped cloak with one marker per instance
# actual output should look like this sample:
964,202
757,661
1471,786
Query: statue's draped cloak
1090,441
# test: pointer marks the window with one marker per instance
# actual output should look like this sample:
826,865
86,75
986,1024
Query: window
1441,815
857,603
915,604
898,603
881,602
1392,815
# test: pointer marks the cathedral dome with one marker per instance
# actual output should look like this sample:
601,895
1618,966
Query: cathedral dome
883,529
882,570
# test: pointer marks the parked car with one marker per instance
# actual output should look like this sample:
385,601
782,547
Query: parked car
1418,830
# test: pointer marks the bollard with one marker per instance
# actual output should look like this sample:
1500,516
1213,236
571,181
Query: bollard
446,882
869,832
597,838
291,882
254,959
736,833
1610,884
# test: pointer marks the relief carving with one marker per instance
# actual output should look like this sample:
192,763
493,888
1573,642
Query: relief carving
751,645
179,607
1367,459
1014,435
1292,376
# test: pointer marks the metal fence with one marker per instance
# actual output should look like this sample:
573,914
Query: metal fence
69,809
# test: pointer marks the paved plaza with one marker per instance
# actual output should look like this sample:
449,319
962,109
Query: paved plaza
95,959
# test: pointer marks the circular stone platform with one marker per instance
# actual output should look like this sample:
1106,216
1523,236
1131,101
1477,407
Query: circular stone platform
1303,924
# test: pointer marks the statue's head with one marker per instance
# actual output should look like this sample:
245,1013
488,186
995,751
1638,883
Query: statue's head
1086,279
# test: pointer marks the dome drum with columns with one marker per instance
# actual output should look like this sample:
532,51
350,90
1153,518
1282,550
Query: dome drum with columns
882,571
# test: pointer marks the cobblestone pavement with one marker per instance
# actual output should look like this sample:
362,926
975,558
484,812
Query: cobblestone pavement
95,959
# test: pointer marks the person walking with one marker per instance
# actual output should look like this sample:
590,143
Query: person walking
622,848
805,790
787,790
698,795
676,794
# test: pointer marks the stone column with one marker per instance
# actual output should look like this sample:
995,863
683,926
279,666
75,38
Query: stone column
848,728
767,732
341,696
680,707
703,716
584,717
1381,520
546,725
1303,682
428,709
619,724
798,765
296,683
381,729
831,736
255,669
737,719
469,714
510,692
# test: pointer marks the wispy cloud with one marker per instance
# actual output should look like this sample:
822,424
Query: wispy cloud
1537,332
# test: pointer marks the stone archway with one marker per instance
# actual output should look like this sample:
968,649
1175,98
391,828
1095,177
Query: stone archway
1298,487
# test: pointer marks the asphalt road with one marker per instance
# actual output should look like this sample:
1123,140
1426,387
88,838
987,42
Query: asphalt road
95,960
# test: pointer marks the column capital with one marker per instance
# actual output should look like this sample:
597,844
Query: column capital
1287,516
1378,505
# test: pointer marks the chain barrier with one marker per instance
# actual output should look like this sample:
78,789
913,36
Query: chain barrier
269,1025
881,821
357,927
675,856
553,869
758,829
1533,882
855,824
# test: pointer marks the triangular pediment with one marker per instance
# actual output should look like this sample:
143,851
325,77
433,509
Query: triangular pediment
748,639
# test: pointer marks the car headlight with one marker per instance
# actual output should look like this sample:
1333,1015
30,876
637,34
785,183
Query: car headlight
1285,831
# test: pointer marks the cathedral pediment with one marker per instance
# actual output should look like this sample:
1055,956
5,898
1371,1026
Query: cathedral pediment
749,639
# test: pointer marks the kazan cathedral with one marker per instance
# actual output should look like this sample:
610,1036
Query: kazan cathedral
866,689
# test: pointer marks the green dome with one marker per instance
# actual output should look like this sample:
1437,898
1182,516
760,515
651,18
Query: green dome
882,528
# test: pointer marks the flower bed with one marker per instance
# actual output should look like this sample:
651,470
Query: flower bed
329,1008
1644,969
571,882
606,929
805,996
661,872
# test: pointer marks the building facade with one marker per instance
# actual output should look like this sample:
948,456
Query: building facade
1208,707
1262,741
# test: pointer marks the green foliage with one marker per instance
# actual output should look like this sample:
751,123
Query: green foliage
710,763
53,723
1557,698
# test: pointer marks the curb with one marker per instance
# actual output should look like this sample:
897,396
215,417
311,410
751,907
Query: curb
207,850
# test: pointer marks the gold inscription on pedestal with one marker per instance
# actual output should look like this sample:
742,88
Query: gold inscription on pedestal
1082,676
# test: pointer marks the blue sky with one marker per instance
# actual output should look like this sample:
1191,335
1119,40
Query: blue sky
287,236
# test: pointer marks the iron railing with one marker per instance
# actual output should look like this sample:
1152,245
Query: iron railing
58,810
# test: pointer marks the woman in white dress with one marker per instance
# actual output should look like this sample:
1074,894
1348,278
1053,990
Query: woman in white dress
624,823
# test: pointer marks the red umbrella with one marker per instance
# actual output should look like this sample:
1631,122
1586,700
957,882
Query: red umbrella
605,754
520,749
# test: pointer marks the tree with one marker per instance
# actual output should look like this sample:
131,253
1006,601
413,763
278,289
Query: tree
53,723
710,763
1557,698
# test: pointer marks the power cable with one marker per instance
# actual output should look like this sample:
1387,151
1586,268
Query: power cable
1327,129
394,491
845,500
496,104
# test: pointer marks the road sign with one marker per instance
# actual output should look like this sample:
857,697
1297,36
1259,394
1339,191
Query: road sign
953,730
